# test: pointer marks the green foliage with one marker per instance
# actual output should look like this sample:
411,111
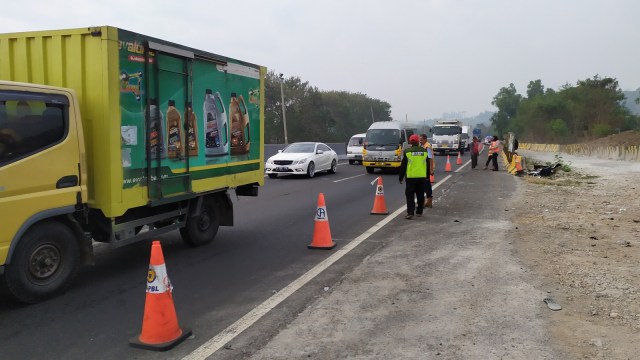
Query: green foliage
534,89
313,115
601,130
559,128
593,107
507,101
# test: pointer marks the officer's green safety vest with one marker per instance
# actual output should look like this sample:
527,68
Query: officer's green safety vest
416,163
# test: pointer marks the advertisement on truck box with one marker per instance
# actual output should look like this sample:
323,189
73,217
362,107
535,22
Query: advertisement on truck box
181,112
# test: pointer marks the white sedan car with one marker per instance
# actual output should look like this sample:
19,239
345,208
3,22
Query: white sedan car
302,158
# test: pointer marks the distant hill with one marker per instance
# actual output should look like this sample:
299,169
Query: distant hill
630,101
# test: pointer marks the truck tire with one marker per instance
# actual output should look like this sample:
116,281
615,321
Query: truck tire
370,169
44,263
201,229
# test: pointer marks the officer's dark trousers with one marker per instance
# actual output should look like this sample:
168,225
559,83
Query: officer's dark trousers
415,188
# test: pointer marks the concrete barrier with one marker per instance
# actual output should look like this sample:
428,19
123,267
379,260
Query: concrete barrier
621,152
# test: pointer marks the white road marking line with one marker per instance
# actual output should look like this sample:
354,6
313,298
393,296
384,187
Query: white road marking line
214,344
463,165
352,177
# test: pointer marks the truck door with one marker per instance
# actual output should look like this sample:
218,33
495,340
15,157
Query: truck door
169,92
39,160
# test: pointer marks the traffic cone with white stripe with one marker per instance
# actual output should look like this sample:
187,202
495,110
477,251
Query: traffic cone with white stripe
160,329
447,166
459,161
379,205
321,230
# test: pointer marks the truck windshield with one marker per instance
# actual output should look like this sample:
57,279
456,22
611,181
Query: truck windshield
382,137
446,130
356,141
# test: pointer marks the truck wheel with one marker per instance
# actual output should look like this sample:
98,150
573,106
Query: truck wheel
370,169
351,162
44,263
311,170
201,229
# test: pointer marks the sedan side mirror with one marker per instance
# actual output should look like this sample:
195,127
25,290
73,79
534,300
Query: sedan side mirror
320,152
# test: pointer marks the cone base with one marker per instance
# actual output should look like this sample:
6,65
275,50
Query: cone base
136,343
379,212
324,247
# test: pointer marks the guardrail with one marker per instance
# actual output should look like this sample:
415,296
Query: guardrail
621,152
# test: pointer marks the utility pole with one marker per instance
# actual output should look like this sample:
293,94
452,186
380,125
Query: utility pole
284,116
372,119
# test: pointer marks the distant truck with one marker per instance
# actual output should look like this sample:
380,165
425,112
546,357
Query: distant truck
477,132
116,137
447,137
466,141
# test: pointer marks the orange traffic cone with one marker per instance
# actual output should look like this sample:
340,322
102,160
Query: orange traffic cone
379,205
447,167
321,231
160,329
459,161
432,179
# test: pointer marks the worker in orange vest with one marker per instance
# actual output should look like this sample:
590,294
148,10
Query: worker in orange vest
494,150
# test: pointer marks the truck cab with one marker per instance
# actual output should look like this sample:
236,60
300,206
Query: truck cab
384,143
447,137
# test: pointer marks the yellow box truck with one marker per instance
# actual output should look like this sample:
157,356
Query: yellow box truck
112,136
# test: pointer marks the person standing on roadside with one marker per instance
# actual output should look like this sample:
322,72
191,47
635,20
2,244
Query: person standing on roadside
431,168
494,149
414,168
475,151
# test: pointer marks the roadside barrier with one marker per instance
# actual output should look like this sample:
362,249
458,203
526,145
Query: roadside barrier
160,329
621,152
447,167
321,230
379,205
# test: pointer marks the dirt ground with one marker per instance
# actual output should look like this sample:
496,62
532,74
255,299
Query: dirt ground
579,233
630,137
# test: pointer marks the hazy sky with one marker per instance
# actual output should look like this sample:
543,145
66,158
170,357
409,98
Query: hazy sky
424,57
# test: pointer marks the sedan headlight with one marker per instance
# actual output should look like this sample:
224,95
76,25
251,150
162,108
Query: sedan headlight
299,162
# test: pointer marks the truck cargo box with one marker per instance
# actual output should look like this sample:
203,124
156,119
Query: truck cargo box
161,121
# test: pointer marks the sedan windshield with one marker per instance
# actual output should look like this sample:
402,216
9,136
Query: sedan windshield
300,148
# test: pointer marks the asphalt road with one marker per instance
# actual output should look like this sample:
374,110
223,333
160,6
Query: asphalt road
214,285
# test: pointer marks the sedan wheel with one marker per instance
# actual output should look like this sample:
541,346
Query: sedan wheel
311,170
334,167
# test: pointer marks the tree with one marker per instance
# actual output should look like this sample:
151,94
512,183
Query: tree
507,101
534,89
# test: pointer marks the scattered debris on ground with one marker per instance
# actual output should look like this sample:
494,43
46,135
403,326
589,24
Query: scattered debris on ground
578,232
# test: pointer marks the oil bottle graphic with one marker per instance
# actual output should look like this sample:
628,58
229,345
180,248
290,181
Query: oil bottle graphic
215,125
240,140
174,137
156,131
191,122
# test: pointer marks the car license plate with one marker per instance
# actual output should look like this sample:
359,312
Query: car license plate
282,169
444,145
380,163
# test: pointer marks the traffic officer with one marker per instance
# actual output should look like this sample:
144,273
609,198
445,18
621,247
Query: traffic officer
414,168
